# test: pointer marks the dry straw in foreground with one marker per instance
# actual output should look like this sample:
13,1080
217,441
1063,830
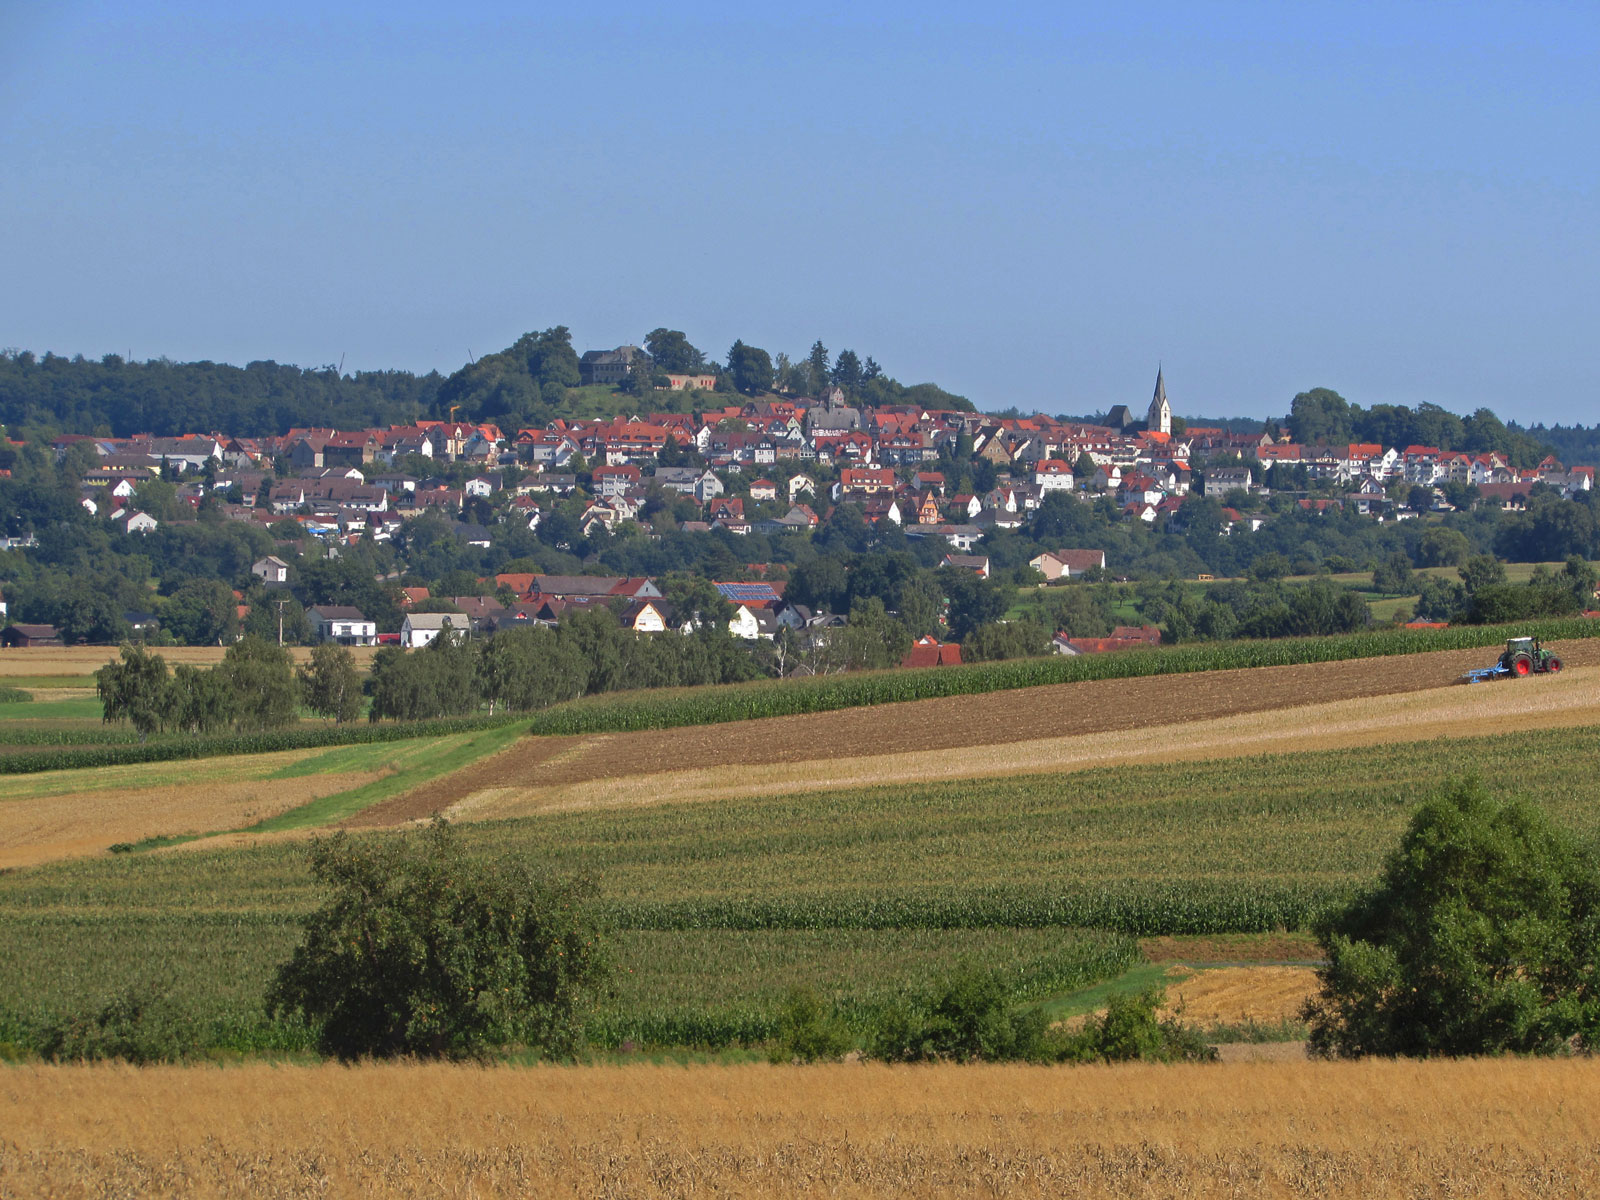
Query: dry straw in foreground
1497,1128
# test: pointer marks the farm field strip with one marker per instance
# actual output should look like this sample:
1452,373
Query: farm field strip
61,662
605,772
1506,1127
62,814
1322,818
708,987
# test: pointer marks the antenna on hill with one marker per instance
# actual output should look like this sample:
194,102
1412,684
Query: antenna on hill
470,359
341,362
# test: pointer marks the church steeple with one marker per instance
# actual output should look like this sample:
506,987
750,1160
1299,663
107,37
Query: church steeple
1160,418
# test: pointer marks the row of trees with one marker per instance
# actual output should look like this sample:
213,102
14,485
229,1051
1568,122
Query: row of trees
517,670
254,688
1484,597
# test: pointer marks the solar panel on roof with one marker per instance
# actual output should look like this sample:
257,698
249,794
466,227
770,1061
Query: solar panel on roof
743,593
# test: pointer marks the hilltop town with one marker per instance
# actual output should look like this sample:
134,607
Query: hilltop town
476,525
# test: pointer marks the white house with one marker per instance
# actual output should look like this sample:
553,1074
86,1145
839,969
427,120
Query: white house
1051,474
1063,564
418,629
134,521
342,623
744,624
271,570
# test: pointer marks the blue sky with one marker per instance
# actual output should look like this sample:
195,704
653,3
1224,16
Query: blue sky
1030,204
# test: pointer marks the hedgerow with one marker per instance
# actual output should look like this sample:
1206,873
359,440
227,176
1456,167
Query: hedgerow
14,695
776,698
62,758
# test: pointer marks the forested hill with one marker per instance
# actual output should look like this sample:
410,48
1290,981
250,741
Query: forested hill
110,396
1574,445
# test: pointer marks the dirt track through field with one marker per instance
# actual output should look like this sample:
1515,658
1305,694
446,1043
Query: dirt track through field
1061,726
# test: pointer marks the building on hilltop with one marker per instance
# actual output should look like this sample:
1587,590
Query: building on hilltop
608,367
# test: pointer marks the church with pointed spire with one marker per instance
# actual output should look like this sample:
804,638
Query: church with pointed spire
1159,419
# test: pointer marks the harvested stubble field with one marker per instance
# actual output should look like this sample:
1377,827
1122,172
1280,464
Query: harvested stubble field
1501,1128
62,814
60,662
1061,727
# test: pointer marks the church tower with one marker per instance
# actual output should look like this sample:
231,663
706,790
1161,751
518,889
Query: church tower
1160,418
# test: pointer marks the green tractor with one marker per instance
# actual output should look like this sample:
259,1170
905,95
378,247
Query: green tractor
1525,656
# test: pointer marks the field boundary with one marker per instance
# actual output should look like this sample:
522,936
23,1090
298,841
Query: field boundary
122,752
720,704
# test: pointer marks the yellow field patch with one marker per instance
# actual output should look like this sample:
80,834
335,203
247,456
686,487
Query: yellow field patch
1503,1127
1238,995
62,814
86,660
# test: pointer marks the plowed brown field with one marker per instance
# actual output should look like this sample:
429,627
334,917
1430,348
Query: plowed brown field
1058,727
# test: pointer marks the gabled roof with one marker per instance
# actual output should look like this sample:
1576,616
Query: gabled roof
336,612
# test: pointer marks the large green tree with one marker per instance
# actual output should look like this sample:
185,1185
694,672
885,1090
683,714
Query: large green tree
1481,937
331,684
135,689
750,369
420,949
672,352
260,675
201,612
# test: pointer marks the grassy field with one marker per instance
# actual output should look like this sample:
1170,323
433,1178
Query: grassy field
1255,1131
1243,844
76,710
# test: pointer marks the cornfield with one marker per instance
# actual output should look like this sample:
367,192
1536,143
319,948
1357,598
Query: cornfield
716,907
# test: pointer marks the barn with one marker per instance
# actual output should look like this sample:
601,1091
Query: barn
20,637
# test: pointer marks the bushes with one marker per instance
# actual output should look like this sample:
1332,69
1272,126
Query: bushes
773,698
968,1017
1130,1030
136,1026
807,1030
11,695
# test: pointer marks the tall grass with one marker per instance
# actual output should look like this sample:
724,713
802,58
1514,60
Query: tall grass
621,712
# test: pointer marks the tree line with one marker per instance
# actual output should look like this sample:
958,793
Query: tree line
1322,417
117,397
256,687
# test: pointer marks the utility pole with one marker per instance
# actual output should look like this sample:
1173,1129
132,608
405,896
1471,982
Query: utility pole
281,603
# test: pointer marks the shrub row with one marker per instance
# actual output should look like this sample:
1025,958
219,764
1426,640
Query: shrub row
14,695
709,706
64,758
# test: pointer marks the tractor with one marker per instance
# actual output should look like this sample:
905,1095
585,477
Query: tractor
1523,656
